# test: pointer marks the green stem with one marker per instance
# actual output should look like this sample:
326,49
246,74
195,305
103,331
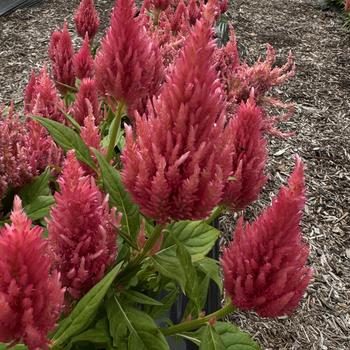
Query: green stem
116,126
215,214
133,266
195,324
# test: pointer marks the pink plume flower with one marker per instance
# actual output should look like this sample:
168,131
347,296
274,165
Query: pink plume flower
249,158
61,54
128,63
92,138
174,169
82,230
31,296
15,153
41,98
43,150
86,19
87,91
83,62
347,6
264,266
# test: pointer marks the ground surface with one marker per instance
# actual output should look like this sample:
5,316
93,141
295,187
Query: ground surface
321,91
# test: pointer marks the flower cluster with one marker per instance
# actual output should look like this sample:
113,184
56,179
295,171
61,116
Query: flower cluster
193,145
177,165
31,296
264,265
82,230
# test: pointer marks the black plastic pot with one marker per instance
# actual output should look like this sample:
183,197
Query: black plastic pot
213,304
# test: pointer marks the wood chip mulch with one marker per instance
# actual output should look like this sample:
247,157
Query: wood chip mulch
321,92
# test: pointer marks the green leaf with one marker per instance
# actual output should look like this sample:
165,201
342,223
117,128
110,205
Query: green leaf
197,237
38,187
143,333
168,264
119,198
168,300
40,207
211,340
140,298
16,347
211,268
191,286
67,139
233,338
85,311
99,336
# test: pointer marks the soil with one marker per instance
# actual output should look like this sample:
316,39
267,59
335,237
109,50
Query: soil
321,93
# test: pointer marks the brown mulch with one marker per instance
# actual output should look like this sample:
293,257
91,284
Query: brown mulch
321,91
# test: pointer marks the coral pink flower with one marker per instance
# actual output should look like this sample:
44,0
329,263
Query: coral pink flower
249,158
87,91
174,169
15,153
43,150
264,265
129,62
86,19
83,62
41,98
82,230
31,296
347,6
61,54
92,138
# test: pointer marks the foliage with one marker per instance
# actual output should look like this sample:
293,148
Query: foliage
122,161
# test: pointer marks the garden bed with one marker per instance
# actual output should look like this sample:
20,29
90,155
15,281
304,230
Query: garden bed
321,91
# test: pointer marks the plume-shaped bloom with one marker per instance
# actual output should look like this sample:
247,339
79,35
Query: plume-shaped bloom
92,138
82,230
83,63
86,19
43,150
249,158
128,64
31,296
174,169
87,91
61,54
347,6
41,98
264,266
15,153
239,78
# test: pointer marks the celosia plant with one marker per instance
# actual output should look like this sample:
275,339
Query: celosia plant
118,218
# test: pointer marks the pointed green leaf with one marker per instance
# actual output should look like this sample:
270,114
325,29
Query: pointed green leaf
233,338
211,268
197,237
168,264
119,198
85,311
40,207
140,298
38,187
16,347
210,339
143,332
67,139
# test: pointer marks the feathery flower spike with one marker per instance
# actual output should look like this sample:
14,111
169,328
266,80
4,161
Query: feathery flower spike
86,19
264,266
31,296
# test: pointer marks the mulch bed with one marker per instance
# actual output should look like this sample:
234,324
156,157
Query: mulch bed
321,91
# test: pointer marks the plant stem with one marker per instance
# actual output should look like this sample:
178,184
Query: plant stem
116,126
149,244
215,214
133,266
195,324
